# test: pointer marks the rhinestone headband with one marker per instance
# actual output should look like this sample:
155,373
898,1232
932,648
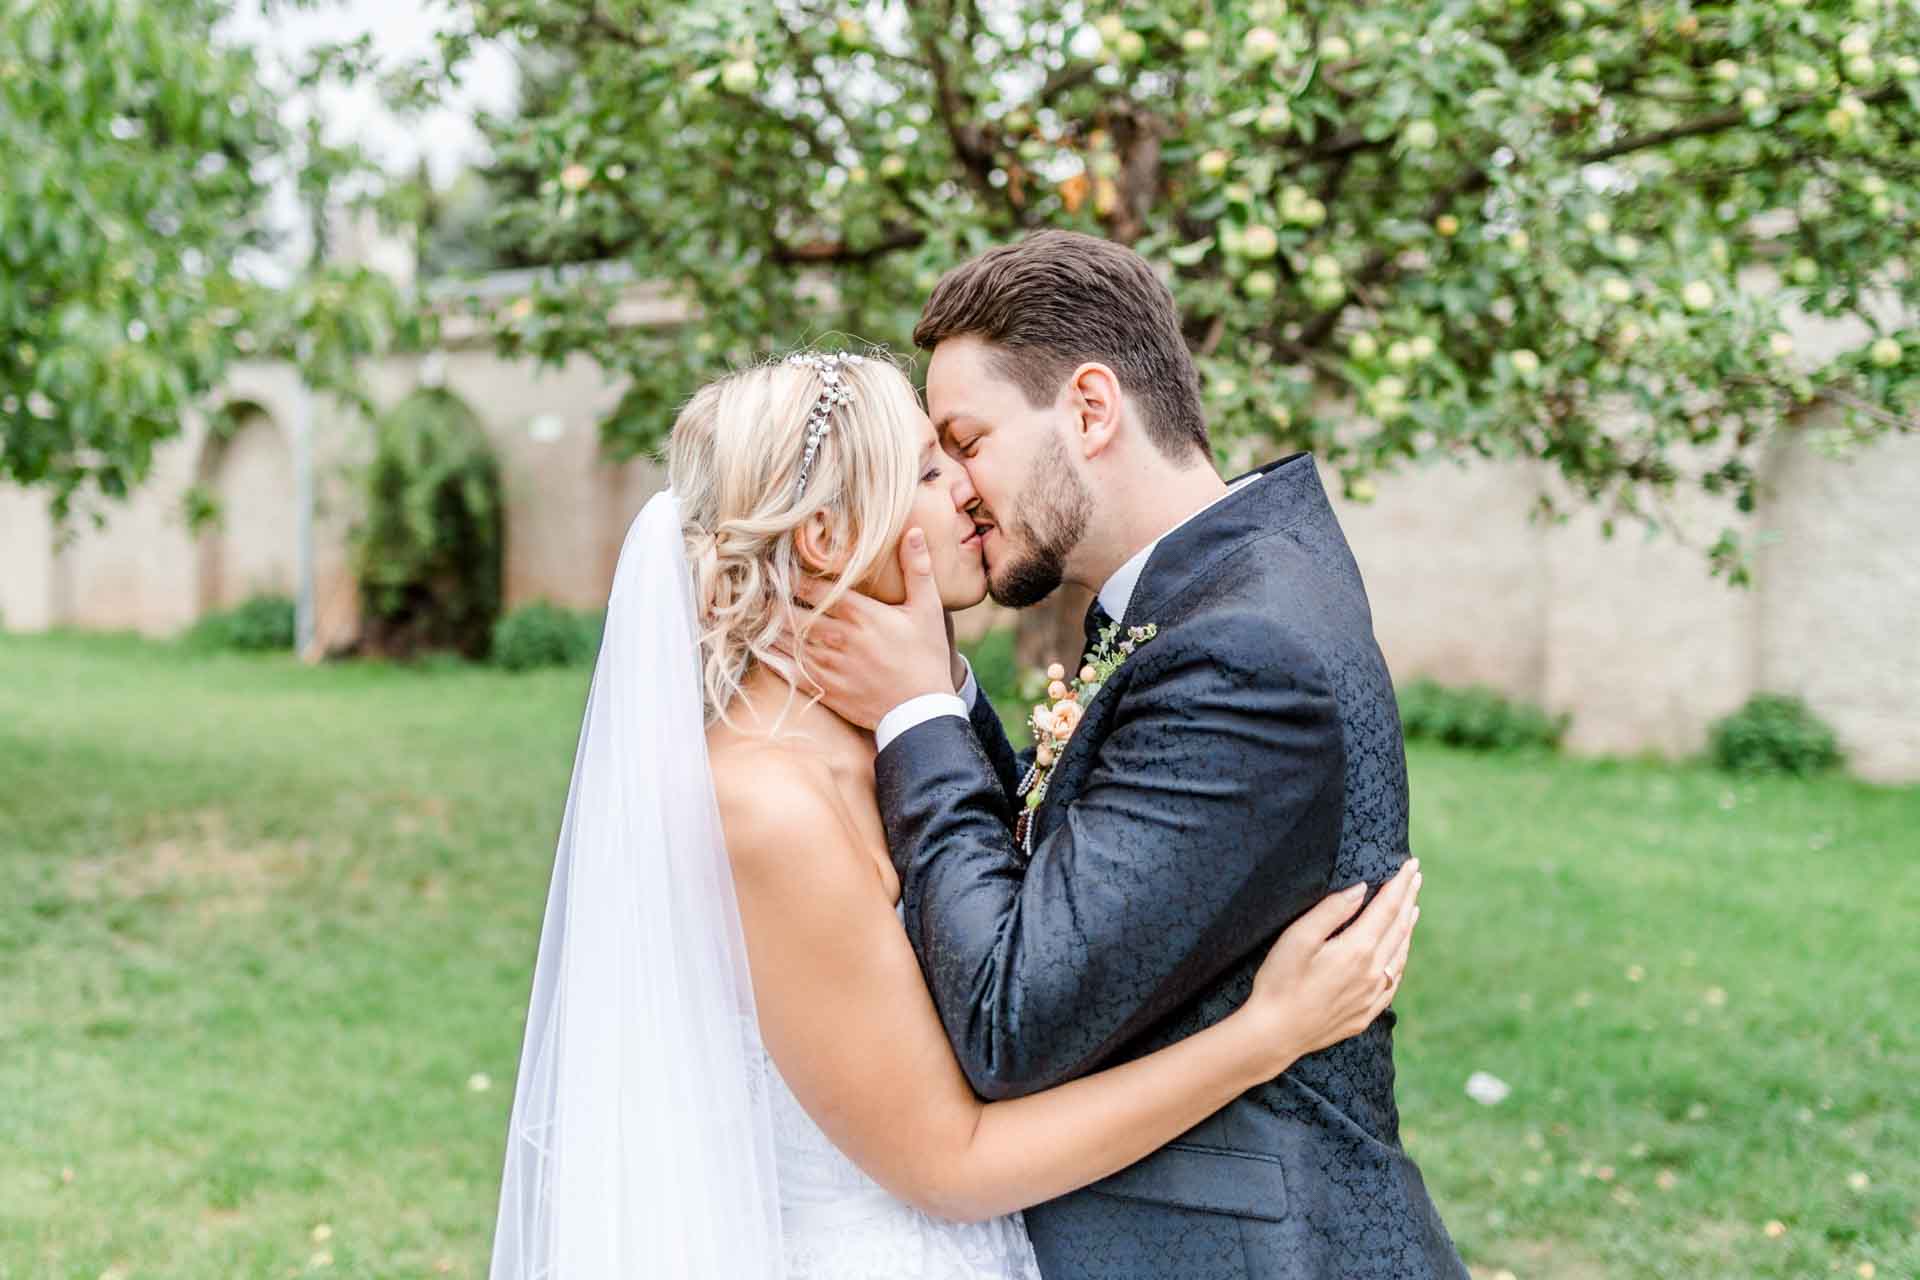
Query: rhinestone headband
834,392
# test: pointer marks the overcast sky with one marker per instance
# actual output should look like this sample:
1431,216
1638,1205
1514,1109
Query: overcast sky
402,30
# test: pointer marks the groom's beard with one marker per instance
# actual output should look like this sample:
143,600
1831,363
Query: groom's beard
1048,522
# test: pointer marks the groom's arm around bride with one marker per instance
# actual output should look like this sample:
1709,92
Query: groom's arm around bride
1204,819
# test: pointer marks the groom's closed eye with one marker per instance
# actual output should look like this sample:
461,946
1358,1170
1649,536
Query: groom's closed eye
959,440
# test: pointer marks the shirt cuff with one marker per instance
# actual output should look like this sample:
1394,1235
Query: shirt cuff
969,688
914,712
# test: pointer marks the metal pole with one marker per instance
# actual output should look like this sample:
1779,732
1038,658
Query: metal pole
303,528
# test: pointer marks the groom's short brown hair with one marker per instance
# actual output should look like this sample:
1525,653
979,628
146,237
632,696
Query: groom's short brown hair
1058,299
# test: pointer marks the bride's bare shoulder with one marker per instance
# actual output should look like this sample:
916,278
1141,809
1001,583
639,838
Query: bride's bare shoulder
769,795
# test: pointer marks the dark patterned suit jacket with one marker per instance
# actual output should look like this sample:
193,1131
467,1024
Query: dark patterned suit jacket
1241,764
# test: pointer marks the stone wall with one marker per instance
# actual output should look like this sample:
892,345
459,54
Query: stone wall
1630,635
141,569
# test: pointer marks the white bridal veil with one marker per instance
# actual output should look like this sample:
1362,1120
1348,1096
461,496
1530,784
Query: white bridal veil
640,1144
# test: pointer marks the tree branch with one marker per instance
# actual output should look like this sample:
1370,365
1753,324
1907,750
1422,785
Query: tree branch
1834,395
1716,122
965,137
839,252
826,100
1065,80
600,22
1342,146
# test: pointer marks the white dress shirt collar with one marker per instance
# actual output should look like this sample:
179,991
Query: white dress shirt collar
1117,593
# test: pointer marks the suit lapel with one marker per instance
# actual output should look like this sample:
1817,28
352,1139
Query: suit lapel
1284,491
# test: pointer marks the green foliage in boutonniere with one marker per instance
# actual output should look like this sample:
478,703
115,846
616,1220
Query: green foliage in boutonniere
1054,720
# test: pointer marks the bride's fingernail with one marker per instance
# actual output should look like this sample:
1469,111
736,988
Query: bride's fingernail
1355,890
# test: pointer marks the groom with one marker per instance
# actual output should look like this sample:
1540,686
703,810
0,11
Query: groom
1243,760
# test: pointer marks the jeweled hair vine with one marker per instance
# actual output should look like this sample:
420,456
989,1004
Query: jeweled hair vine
834,392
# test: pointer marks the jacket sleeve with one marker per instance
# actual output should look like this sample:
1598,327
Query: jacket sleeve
1209,820
1007,765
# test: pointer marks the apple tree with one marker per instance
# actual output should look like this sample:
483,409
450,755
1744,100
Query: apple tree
1568,232
140,147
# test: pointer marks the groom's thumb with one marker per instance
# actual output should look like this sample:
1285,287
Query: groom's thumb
916,563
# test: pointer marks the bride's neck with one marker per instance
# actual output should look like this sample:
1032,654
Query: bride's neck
768,699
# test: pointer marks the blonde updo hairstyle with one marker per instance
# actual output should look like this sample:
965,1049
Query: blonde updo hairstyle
734,462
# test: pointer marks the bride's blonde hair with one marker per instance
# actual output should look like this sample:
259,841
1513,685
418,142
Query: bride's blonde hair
734,461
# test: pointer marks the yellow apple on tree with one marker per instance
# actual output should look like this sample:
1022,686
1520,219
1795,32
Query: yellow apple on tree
740,76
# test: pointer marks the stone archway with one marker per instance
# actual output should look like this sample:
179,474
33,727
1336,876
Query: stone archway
434,583
246,467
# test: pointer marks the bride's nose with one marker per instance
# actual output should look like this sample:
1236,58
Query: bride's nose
963,494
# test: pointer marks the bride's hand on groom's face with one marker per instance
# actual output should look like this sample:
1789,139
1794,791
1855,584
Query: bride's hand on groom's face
867,657
1321,984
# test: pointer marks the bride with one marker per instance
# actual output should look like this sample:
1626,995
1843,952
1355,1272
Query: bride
732,1066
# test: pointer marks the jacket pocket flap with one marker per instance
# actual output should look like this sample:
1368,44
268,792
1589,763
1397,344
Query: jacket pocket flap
1207,1179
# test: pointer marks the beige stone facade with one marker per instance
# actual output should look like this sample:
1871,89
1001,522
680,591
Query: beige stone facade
566,508
1631,636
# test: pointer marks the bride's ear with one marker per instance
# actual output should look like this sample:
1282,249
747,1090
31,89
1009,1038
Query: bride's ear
818,548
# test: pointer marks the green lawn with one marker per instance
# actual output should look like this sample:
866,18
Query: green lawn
264,928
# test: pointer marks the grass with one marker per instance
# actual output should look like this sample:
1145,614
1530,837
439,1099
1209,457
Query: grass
261,927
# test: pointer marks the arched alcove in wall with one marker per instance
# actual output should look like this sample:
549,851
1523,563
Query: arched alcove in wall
246,467
428,548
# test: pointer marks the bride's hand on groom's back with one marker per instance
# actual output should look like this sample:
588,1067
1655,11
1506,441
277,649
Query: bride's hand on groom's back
1321,984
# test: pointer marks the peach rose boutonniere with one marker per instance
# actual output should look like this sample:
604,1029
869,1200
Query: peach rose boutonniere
1053,722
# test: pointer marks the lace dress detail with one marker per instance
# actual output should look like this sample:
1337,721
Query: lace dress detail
839,1224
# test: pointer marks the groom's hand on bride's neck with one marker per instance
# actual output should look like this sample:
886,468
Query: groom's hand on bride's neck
868,657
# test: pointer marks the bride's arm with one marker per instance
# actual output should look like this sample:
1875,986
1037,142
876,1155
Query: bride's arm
846,1015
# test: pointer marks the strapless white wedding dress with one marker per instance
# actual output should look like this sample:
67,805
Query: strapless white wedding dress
836,1223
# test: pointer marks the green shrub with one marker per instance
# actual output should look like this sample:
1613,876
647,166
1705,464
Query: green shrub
545,635
1774,733
1000,678
994,667
1476,718
257,625
428,550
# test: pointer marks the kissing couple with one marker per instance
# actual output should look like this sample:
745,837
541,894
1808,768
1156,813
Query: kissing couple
834,984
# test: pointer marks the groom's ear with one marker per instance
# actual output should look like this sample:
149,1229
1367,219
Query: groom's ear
1094,396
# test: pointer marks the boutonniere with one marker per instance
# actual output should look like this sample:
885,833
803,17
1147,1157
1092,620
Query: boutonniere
1054,720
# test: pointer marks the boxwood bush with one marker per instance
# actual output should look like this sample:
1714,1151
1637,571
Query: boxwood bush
1774,733
1476,718
257,625
545,635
